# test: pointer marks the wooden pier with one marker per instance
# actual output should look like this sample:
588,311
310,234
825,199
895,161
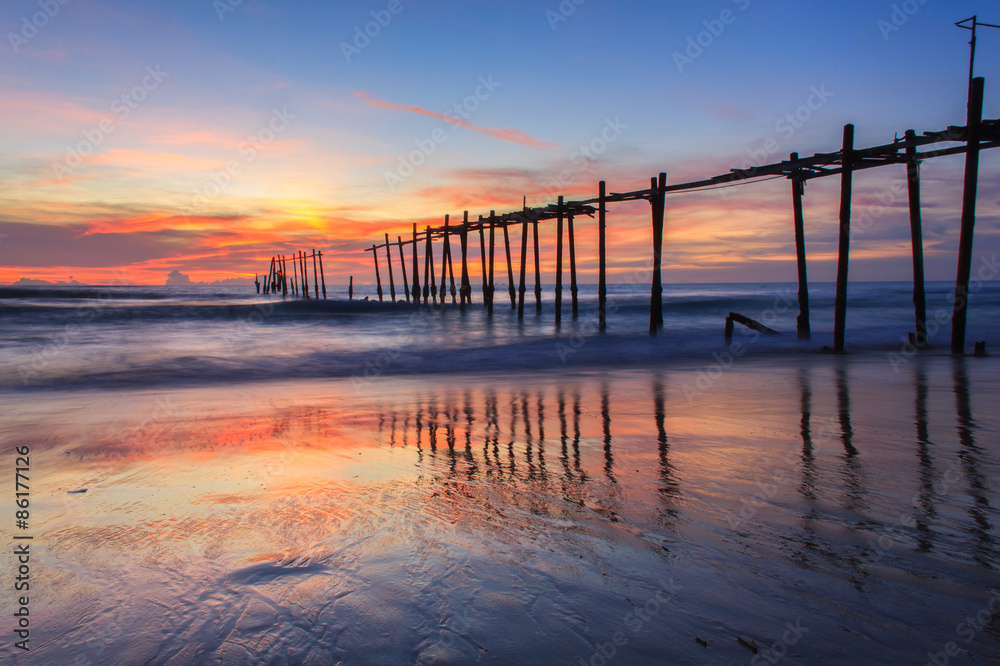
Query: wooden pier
976,135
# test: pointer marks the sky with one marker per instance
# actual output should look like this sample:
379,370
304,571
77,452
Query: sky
205,136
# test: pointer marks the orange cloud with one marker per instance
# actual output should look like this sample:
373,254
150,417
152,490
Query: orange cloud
513,135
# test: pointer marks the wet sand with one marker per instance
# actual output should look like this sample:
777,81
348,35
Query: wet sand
827,510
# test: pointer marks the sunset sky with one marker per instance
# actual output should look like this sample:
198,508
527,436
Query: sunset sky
142,138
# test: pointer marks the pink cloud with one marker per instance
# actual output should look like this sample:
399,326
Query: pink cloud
507,134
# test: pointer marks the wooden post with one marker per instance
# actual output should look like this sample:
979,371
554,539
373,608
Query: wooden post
840,302
658,201
559,261
350,289
538,274
305,274
378,278
416,268
315,274
444,260
524,261
465,295
510,269
916,240
451,270
402,268
482,252
256,281
492,291
798,189
284,277
388,260
968,218
602,269
729,329
267,281
429,269
572,267
322,276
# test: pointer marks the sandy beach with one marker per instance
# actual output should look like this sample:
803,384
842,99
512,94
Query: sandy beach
816,509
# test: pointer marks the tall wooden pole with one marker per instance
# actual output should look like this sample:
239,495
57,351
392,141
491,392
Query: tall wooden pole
482,253
602,264
559,260
916,239
840,302
322,276
466,291
444,258
572,267
402,268
510,269
315,274
538,273
798,189
416,267
388,260
350,289
378,277
524,261
430,265
451,269
658,200
492,290
968,217
305,274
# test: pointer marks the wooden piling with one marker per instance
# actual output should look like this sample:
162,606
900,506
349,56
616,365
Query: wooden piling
658,201
451,267
466,290
350,289
416,268
492,290
524,261
378,278
315,275
559,262
284,277
840,302
798,189
388,260
322,276
968,217
256,281
572,268
432,289
916,240
402,268
510,269
482,253
305,274
538,274
602,264
444,259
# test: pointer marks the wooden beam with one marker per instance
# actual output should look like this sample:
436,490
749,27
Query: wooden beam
322,275
840,301
466,291
968,218
916,242
315,274
444,257
492,290
538,274
798,187
482,256
350,289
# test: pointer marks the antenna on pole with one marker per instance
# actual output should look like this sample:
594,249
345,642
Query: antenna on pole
973,24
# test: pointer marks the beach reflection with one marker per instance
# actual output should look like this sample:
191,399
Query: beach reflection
549,505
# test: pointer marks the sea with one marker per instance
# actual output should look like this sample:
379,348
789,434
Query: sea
207,475
100,336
